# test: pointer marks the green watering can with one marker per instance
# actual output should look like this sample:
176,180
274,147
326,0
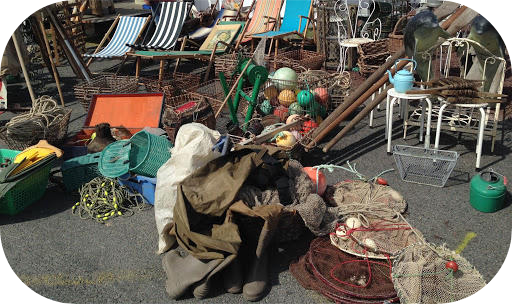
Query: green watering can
487,192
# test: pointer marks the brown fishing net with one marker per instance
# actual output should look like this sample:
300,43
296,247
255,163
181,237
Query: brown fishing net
376,238
420,275
342,277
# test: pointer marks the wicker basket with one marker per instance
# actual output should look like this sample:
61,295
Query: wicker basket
177,80
105,84
372,55
56,136
396,38
227,63
201,112
211,90
299,60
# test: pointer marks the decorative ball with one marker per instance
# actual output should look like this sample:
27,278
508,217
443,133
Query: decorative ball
308,126
353,223
266,107
285,139
322,182
271,92
322,96
292,118
370,244
305,98
285,79
294,108
315,109
452,265
281,112
286,97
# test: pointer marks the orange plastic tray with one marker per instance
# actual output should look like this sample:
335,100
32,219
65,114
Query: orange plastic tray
130,111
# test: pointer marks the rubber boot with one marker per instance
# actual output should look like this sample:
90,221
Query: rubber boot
233,278
257,277
202,289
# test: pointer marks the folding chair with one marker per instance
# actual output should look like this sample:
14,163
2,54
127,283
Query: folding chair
128,31
292,23
207,51
168,29
265,18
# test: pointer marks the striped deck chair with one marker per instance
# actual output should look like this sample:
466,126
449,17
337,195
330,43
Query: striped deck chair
293,23
129,30
206,55
168,29
204,31
265,17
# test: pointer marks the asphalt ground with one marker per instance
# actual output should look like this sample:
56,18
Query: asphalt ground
67,259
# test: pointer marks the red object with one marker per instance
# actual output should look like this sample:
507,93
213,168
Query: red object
281,112
505,180
187,106
308,126
382,181
452,265
322,182
322,96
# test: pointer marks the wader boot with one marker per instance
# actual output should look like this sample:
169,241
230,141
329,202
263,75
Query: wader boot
257,277
233,278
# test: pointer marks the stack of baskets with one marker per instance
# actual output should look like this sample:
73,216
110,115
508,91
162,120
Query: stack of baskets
372,55
298,60
105,84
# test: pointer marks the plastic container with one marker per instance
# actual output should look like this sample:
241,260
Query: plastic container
148,153
7,155
25,191
142,185
80,170
487,192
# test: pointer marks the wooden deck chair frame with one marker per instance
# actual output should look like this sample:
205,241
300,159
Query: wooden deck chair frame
109,32
275,39
205,57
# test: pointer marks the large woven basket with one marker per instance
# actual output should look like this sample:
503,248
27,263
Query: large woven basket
177,80
211,90
299,60
200,112
396,38
56,135
372,55
105,84
228,63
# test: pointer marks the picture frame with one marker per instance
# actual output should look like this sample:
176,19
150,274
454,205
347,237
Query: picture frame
223,32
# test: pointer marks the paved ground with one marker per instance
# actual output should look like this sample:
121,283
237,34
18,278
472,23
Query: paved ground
68,259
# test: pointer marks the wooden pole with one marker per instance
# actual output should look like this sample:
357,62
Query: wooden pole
23,68
104,39
54,68
233,88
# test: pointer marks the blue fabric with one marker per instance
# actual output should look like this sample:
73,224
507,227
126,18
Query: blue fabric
291,19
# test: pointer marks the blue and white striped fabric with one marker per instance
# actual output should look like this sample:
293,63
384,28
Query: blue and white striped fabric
168,29
127,31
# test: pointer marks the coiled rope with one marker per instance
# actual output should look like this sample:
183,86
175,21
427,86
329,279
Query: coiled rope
44,115
103,198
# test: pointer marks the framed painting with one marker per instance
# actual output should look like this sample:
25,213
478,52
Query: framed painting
223,32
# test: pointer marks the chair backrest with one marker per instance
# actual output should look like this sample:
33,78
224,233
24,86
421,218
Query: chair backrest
168,29
293,10
127,31
354,22
456,54
263,8
211,37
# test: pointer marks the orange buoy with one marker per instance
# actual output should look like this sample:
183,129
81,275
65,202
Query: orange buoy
322,182
281,112
322,96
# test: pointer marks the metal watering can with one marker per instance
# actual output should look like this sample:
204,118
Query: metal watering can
404,79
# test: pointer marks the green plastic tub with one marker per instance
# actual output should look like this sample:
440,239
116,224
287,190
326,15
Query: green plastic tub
80,170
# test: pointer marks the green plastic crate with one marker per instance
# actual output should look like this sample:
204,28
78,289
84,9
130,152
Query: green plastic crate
7,155
24,192
80,170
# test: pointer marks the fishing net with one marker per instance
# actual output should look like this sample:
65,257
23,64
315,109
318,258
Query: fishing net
342,277
421,275
376,238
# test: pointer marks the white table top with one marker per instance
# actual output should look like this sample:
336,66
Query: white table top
354,42
393,93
